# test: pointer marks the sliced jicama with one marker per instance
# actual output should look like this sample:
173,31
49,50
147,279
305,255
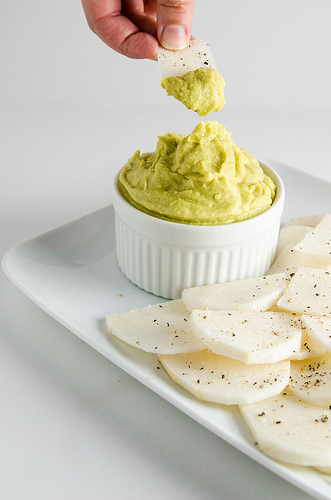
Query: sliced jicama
250,337
217,379
290,235
264,293
325,221
288,429
306,220
159,328
197,54
318,328
326,470
317,242
309,292
309,348
289,261
311,380
220,296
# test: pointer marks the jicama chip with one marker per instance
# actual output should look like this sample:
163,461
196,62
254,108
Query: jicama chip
309,292
290,235
325,470
265,337
309,348
159,328
197,54
264,293
311,380
217,379
317,242
318,328
220,296
306,220
290,260
327,474
325,221
288,429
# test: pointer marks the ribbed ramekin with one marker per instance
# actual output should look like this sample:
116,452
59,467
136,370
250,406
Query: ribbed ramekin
164,257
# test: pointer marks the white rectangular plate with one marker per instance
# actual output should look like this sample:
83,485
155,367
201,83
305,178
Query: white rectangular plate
72,273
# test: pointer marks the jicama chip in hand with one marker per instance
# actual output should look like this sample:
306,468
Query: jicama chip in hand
197,54
191,77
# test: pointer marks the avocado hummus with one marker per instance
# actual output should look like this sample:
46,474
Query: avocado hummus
202,178
201,90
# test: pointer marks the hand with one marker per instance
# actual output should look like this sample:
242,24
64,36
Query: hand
135,28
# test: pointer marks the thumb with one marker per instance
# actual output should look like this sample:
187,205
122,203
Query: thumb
174,23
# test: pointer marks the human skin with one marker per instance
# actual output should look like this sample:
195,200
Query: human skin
135,28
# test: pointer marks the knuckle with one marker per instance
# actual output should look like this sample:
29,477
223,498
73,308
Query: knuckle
175,5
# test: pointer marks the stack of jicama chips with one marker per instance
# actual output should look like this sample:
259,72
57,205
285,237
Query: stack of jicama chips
262,343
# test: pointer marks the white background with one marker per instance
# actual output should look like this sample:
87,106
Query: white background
72,425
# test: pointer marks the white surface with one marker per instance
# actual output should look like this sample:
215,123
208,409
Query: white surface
73,424
59,269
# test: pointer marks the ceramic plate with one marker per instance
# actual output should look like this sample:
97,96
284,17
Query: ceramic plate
72,273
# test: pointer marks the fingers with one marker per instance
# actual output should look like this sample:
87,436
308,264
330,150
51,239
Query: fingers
135,27
125,37
174,23
119,32
150,7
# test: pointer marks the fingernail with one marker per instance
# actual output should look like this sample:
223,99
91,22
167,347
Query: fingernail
174,37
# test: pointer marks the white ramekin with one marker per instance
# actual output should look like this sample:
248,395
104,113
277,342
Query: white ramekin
165,257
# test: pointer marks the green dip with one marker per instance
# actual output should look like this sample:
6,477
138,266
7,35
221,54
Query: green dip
201,90
202,178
